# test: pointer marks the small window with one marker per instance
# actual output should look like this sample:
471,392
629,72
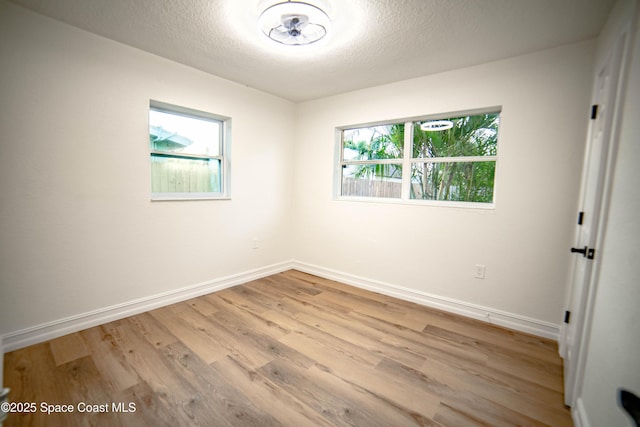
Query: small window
188,150
443,160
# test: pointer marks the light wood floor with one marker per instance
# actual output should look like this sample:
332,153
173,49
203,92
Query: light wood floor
295,350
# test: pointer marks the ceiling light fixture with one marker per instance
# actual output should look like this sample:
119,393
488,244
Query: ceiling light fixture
294,23
436,125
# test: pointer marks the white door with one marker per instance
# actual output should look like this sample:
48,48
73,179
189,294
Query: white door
595,176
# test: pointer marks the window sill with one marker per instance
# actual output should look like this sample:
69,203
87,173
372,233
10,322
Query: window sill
173,197
414,202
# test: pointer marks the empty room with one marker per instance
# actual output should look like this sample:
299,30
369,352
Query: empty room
319,213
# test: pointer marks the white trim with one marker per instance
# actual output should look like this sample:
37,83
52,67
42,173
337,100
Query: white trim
407,161
436,116
167,197
47,331
224,156
579,414
405,193
616,51
417,202
486,314
57,328
459,159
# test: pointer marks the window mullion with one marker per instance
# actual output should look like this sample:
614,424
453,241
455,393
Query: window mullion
373,162
406,161
467,159
179,155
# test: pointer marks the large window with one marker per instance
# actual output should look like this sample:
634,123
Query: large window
450,160
189,153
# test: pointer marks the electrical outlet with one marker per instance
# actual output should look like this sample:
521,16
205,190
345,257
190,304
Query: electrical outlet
480,271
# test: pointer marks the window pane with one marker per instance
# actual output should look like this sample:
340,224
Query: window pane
456,137
372,180
372,143
178,133
177,175
453,181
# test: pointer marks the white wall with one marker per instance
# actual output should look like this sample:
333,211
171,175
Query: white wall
524,241
79,233
77,229
613,353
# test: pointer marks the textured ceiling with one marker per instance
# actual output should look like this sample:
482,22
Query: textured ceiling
372,42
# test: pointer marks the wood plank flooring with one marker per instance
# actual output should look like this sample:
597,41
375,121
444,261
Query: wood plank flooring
291,350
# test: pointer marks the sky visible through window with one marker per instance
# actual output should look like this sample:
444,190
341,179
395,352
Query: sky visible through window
203,133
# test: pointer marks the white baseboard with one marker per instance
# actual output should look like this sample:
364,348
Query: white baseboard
57,328
486,314
579,415
47,331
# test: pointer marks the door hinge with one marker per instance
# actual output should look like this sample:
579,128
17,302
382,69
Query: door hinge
594,111
580,217
567,316
586,252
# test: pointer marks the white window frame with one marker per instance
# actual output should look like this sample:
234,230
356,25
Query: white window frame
408,160
224,156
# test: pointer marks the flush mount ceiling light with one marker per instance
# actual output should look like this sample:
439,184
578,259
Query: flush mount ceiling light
436,125
294,23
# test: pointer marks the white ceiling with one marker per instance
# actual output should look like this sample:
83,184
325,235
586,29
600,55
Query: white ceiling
372,42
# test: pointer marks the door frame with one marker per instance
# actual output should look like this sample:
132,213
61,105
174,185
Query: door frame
615,47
